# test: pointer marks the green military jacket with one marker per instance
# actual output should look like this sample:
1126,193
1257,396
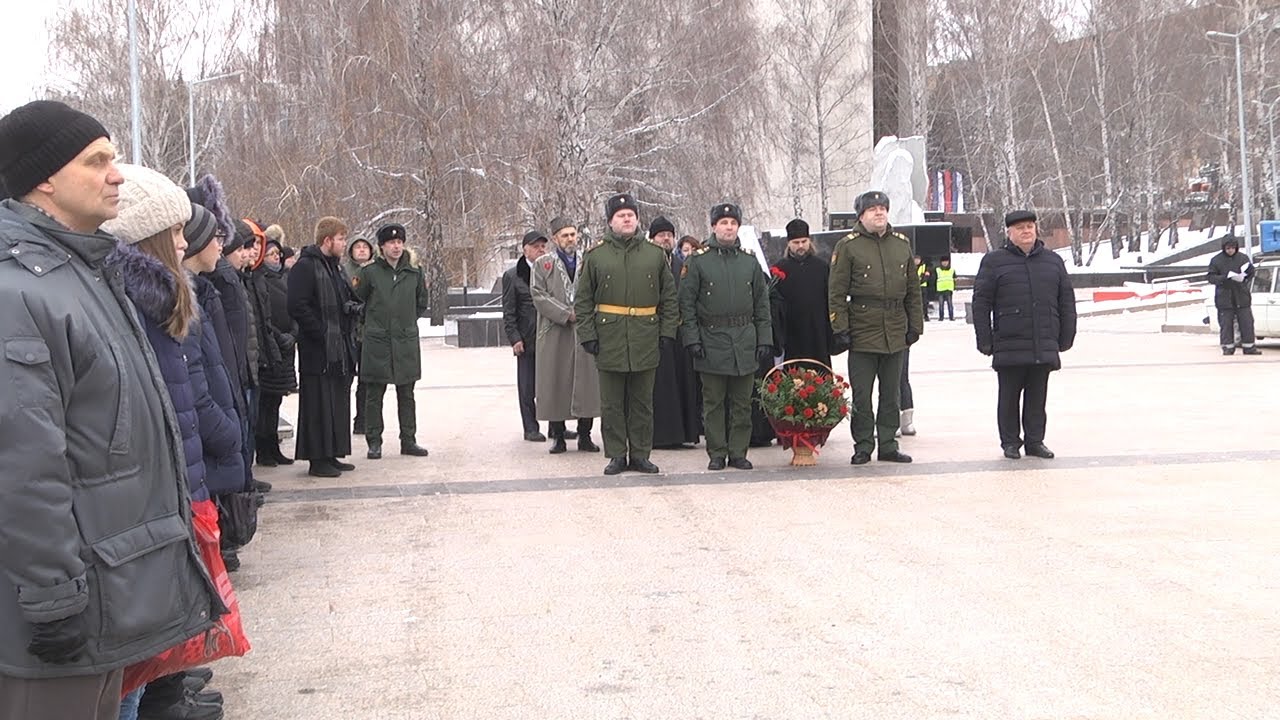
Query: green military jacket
874,291
394,299
630,275
724,306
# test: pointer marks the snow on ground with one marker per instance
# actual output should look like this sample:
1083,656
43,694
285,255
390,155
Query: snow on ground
967,263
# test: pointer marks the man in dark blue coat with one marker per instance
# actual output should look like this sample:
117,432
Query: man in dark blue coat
1024,315
1231,272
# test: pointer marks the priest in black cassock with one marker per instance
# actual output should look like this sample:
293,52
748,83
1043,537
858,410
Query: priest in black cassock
676,416
799,299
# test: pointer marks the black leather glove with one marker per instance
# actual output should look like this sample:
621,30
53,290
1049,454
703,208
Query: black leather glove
912,337
287,342
840,343
764,353
353,307
665,343
985,349
59,642
592,347
697,351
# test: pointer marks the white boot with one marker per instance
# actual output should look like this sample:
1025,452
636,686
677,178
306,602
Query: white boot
904,424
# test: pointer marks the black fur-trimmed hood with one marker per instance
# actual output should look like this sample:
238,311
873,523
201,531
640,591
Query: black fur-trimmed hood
147,282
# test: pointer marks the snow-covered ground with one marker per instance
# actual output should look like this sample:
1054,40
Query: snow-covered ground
967,263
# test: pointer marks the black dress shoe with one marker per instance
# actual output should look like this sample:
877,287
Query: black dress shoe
414,449
893,456
643,465
375,451
343,466
535,436
1229,351
740,463
206,697
860,458
262,486
1011,452
188,709
1252,351
1039,450
716,464
558,446
281,458
615,466
585,444
204,674
322,468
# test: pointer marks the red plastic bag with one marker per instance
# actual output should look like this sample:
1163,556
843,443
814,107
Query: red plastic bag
225,639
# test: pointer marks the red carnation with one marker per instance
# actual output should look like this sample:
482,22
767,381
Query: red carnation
790,410
820,380
808,412
777,272
773,388
840,379
844,410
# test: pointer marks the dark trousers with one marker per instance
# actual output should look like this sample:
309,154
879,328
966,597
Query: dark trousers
1227,319
251,414
906,398
525,383
866,370
362,398
556,428
406,411
81,697
944,298
626,413
268,427
1023,392
726,414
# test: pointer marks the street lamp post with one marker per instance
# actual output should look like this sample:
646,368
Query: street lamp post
135,92
1244,158
191,120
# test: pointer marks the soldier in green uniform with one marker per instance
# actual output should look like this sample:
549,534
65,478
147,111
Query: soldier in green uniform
625,303
876,314
725,321
395,296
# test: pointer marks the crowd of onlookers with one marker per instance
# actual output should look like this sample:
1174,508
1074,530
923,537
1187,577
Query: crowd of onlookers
149,340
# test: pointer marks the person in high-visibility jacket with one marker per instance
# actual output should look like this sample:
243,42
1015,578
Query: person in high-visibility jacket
946,276
923,272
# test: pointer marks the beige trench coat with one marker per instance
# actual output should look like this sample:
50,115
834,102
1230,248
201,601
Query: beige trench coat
567,385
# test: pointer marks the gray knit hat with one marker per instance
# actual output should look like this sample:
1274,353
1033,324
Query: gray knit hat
149,203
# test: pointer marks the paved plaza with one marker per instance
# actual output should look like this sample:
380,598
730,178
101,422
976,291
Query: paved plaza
1136,576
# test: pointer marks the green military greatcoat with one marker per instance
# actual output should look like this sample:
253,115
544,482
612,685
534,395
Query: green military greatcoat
394,299
621,273
724,306
873,291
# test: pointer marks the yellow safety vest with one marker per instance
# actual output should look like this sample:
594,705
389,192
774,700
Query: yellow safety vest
946,279
920,271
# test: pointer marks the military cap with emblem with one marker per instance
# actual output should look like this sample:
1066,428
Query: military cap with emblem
389,232
621,201
1017,216
725,210
870,199
797,229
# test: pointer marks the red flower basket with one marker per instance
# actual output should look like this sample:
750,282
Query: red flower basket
803,404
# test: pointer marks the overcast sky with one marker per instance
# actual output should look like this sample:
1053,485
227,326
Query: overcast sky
22,50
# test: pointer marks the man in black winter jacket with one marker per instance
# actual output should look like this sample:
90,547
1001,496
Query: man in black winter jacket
1024,316
1232,273
520,324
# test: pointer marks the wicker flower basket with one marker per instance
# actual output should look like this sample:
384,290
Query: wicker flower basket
802,440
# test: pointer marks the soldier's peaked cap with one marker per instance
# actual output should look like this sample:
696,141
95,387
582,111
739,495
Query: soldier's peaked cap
392,231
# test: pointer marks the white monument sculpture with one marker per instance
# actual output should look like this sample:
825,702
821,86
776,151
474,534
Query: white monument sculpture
898,170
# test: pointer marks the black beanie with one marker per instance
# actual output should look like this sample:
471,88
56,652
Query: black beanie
39,139
797,229
199,230
621,201
660,224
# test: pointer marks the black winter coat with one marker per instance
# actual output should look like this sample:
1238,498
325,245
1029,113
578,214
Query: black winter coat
519,316
315,321
210,301
235,306
1024,307
1230,293
276,373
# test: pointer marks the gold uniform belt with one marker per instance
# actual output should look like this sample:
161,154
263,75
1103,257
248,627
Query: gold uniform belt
624,310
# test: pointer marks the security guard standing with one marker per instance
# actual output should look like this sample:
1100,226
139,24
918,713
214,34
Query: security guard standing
876,314
946,287
725,321
625,305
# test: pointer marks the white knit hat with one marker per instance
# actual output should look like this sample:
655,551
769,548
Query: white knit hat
149,203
